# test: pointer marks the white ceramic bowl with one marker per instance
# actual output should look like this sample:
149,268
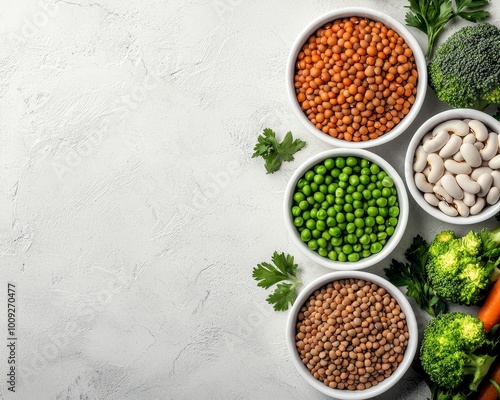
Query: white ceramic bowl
387,21
393,240
385,384
460,113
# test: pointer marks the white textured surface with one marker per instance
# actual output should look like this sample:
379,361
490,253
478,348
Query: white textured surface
131,212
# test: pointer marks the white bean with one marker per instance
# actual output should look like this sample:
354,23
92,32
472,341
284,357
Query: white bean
458,156
491,147
471,155
470,138
451,147
447,209
431,199
456,167
478,207
469,199
480,131
480,171
422,184
436,142
437,167
427,137
485,182
426,172
456,126
420,159
442,194
462,209
467,184
479,146
493,195
451,186
494,163
496,178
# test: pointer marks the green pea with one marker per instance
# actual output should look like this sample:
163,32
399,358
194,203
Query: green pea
394,192
347,249
303,205
374,169
357,196
353,257
381,235
379,186
381,228
325,204
372,211
307,190
319,197
359,232
296,211
373,179
330,211
351,161
323,189
372,203
314,213
366,253
335,232
325,235
360,188
330,221
340,218
322,252
329,163
340,162
354,180
375,248
311,224
389,230
343,185
364,163
322,243
376,193
364,179
342,257
339,201
343,177
349,198
321,170
313,244
347,170
298,221
394,211
314,187
301,183
342,225
357,169
365,239
338,207
357,204
350,189
392,201
383,212
387,182
367,194
348,208
335,173
321,225
332,255
351,238
365,171
350,228
306,215
305,235
322,214
373,237
357,247
336,241
319,179
368,229
332,187
311,200
359,222
309,176
393,221
316,234
359,212
349,217
298,197
383,242
339,192
381,202
386,192
371,187
328,179
369,221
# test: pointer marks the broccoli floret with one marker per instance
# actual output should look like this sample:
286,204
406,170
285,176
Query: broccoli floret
460,270
465,71
449,351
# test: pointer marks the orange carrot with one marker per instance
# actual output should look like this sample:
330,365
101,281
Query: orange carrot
486,390
489,312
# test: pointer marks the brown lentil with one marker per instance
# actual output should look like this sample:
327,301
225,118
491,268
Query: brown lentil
344,360
351,75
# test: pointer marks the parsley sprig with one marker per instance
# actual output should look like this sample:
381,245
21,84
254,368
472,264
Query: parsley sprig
273,152
414,277
284,269
430,16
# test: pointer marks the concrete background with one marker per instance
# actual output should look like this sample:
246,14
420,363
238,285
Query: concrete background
131,212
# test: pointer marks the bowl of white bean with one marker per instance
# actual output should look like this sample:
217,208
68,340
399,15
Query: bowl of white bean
452,166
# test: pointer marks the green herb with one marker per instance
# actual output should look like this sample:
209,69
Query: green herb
284,269
414,277
430,16
273,152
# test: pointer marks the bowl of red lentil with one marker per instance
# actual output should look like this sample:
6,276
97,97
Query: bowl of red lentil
352,335
356,78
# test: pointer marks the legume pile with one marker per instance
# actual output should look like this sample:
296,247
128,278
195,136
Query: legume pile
351,334
345,208
356,79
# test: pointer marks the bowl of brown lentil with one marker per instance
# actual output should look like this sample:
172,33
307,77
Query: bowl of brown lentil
352,335
356,78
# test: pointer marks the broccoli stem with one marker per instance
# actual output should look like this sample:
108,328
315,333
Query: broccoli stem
495,235
477,367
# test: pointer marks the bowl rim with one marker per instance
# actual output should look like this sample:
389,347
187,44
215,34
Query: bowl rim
410,351
391,243
418,196
386,20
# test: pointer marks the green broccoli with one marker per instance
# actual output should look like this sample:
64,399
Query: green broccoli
454,351
465,71
462,269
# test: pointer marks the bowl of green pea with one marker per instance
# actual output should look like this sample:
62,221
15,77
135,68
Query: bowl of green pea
346,208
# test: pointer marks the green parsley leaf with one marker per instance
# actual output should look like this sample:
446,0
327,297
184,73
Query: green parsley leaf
284,269
273,152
